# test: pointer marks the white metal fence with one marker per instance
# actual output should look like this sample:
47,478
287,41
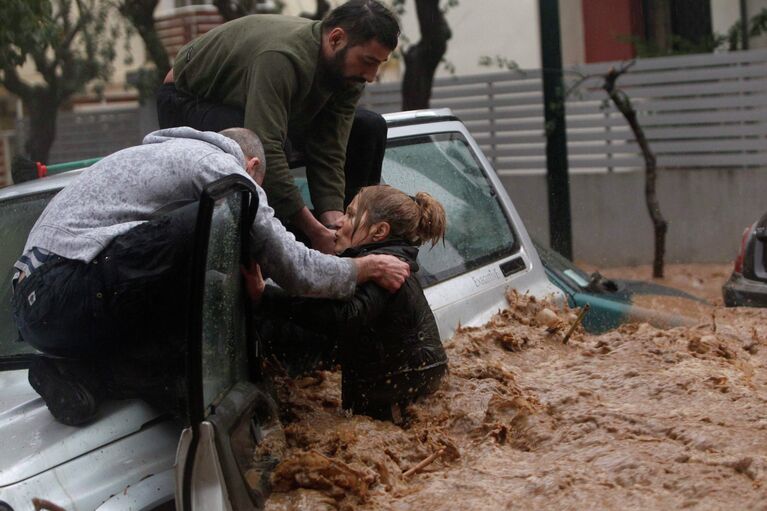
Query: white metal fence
697,111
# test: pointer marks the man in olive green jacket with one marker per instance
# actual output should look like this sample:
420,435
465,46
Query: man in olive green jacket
296,83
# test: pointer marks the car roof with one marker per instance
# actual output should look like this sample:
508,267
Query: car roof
419,117
58,181
46,184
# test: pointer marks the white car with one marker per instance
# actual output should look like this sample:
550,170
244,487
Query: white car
135,457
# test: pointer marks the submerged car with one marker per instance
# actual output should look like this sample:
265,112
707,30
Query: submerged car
747,286
613,302
133,456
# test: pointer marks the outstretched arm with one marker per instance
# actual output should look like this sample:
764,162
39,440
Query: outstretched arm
332,317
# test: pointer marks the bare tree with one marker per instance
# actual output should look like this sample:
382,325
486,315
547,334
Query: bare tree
622,102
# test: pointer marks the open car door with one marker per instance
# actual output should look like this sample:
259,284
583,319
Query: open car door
229,413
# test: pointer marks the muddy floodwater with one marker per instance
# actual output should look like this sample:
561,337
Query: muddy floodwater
637,418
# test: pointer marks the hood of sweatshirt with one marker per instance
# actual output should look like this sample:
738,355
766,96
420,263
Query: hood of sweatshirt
226,144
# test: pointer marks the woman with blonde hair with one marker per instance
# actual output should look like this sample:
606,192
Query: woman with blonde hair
387,343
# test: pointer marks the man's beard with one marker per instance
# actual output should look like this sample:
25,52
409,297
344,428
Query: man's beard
334,71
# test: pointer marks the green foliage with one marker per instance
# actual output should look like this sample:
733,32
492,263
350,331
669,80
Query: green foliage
26,27
732,40
398,6
139,20
678,46
129,33
70,42
757,26
501,62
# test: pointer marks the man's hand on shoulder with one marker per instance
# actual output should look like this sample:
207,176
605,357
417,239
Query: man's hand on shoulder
387,271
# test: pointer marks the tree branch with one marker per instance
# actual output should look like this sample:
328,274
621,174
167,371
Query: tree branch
623,104
14,84
141,15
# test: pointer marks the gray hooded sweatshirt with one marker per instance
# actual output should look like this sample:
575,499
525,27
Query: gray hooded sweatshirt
168,170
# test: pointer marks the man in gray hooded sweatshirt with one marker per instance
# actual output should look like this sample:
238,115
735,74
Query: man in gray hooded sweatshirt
104,271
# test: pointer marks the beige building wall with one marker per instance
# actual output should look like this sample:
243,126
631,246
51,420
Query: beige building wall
571,27
506,28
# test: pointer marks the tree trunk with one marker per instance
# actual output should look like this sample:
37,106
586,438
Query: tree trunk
41,110
660,226
422,59
141,14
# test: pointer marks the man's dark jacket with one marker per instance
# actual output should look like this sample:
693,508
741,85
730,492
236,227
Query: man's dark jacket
269,65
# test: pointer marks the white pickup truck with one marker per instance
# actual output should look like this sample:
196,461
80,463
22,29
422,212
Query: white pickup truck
135,457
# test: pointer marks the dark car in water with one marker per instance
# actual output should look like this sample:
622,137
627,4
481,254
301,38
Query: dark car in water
613,302
747,286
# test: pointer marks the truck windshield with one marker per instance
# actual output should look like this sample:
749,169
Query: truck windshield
445,166
17,216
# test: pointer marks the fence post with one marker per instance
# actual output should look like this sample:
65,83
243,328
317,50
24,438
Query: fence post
557,177
491,111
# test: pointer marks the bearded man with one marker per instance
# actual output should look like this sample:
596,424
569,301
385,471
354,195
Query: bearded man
296,83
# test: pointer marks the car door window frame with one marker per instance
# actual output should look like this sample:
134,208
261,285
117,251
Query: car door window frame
194,373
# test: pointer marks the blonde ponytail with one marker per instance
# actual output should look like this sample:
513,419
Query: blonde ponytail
414,219
431,224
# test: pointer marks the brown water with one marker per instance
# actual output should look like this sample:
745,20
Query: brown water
638,418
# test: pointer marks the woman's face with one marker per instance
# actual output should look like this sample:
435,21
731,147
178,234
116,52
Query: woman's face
346,237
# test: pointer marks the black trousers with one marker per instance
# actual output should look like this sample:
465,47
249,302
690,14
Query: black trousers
130,301
364,151
364,391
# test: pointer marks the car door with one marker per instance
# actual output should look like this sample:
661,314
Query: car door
229,413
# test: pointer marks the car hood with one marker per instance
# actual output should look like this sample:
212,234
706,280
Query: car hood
34,442
641,287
